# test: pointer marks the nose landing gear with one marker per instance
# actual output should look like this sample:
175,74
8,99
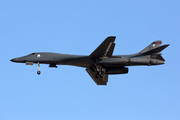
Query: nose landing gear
38,67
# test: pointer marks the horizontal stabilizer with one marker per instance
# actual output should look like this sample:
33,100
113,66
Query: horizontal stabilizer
156,50
157,56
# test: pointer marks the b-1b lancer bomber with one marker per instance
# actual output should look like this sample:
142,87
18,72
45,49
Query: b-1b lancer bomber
101,62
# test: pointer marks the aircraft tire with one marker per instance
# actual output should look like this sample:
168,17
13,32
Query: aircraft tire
38,72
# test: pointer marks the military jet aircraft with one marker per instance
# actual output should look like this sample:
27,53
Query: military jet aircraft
101,62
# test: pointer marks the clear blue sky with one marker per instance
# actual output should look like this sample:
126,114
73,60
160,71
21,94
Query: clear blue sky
78,27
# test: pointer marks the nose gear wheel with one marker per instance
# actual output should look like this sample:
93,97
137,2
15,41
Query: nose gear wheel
38,72
38,67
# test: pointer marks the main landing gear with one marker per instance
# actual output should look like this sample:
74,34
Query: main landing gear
38,67
100,71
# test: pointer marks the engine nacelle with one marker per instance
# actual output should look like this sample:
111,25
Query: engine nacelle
115,62
118,70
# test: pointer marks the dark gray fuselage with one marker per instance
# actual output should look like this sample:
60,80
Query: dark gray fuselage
85,61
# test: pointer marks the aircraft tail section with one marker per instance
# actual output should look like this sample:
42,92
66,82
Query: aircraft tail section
153,50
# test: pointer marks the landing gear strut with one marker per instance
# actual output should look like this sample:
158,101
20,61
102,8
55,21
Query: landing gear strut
38,67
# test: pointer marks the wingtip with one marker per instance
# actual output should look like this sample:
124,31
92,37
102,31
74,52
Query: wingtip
111,37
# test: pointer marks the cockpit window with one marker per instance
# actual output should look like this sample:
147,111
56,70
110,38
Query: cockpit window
38,55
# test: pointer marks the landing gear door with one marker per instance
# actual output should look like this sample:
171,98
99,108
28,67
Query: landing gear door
29,63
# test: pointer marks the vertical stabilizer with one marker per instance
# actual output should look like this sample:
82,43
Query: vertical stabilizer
153,50
153,45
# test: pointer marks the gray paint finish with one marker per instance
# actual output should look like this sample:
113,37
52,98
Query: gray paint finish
101,62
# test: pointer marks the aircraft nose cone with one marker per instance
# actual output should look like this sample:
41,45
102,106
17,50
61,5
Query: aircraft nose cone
13,60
